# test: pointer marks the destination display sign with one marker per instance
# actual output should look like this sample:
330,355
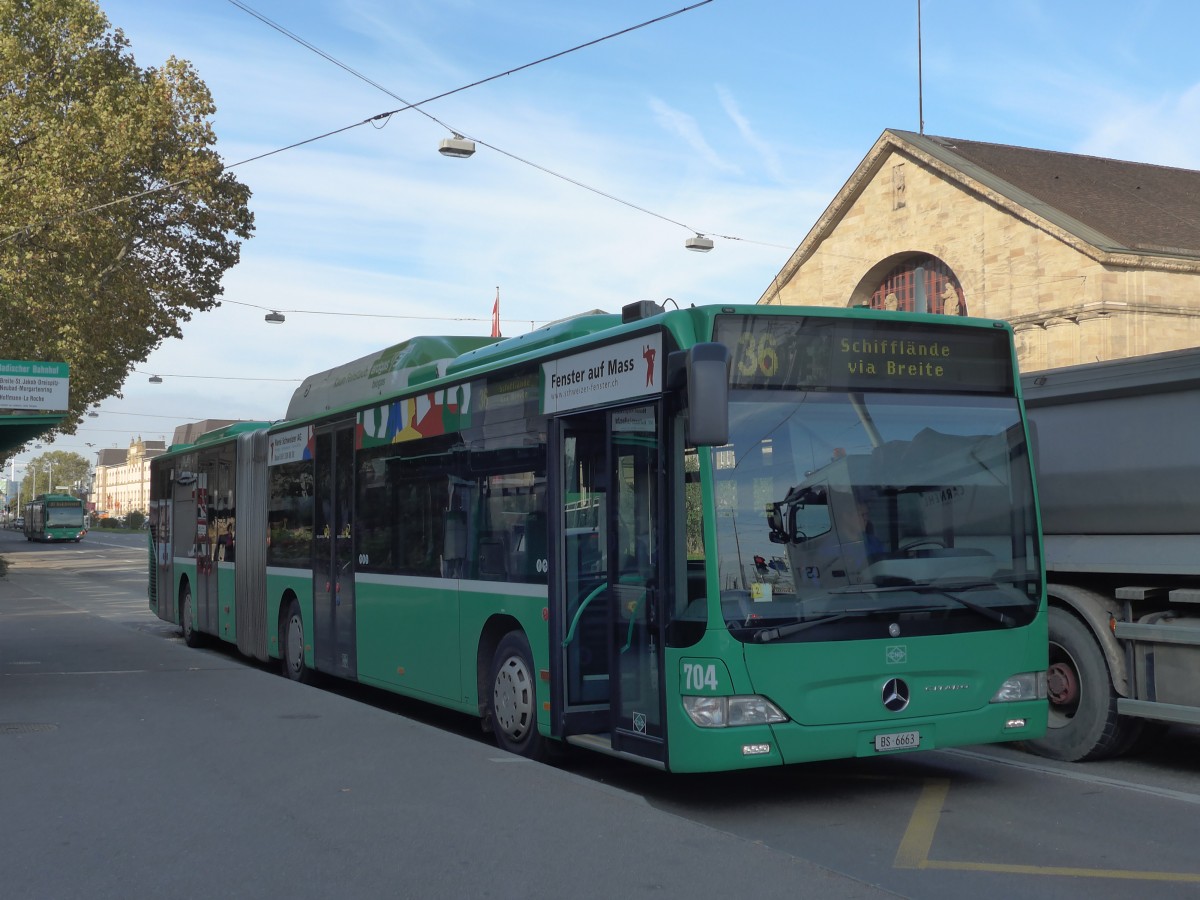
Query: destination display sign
865,355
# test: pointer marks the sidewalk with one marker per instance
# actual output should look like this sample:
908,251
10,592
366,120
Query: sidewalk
131,766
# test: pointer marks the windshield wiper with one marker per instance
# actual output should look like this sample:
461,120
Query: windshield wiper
767,635
986,611
948,591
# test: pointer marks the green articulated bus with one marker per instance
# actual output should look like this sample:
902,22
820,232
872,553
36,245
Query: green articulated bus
700,539
55,517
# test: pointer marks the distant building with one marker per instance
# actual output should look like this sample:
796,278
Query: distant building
122,481
1088,258
187,434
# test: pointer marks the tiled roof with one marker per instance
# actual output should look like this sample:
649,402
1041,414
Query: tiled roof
112,456
1121,206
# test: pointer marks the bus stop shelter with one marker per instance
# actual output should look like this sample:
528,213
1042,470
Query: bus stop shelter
18,430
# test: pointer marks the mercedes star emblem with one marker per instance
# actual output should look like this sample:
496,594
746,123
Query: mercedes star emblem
895,694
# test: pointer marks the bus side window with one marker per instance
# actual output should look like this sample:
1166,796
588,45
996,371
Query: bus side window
534,549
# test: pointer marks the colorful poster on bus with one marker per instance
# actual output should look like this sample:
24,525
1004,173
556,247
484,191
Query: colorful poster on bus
423,416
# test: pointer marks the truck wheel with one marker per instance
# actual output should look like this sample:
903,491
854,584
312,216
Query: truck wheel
1083,721
513,708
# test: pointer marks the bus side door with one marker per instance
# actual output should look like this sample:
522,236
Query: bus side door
606,594
334,638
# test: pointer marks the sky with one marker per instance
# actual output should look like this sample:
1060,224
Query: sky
736,119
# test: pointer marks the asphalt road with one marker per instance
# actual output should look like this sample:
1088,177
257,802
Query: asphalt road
130,764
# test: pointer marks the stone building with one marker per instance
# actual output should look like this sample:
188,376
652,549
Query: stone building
122,481
1088,258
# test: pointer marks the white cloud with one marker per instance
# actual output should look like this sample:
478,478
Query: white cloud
1164,132
765,149
685,127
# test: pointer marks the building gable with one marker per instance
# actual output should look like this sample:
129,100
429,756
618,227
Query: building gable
1088,259
1113,212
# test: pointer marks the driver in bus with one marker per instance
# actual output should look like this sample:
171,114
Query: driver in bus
840,557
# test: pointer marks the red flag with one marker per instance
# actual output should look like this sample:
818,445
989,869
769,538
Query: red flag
496,316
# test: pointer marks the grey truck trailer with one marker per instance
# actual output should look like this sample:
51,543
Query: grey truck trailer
1117,454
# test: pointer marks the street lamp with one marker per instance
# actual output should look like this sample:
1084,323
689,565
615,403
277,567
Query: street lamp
458,147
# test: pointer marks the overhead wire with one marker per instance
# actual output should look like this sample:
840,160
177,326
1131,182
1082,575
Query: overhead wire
215,377
417,106
341,314
407,106
380,116
462,133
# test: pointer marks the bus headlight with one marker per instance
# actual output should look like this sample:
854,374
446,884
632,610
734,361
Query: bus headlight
1026,686
729,712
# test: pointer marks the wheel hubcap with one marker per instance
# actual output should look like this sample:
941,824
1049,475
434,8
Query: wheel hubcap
1062,687
295,644
512,699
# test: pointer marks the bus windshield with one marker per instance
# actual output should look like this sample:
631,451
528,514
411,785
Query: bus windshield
70,516
846,515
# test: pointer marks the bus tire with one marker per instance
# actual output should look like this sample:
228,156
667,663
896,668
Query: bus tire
191,636
513,704
1083,724
291,643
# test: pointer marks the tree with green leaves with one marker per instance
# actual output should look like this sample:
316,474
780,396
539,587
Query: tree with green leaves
117,217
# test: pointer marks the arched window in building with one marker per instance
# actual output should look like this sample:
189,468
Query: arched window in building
921,284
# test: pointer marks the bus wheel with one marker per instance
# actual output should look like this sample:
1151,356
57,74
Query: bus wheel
514,699
294,666
191,636
1083,721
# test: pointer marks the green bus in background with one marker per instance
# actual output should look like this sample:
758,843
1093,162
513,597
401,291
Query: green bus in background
55,517
699,539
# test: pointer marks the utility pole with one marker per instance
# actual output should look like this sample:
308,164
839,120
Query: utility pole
920,75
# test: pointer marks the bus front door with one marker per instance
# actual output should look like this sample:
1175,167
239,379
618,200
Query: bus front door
334,643
607,595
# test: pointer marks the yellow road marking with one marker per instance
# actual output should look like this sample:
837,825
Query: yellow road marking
913,852
918,837
1121,874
